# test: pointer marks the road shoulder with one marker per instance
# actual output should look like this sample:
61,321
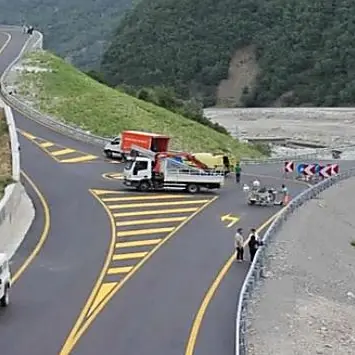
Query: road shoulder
37,232
306,303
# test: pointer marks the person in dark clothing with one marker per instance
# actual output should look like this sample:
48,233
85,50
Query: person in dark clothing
253,245
238,171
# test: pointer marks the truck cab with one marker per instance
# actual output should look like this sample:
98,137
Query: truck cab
5,281
138,173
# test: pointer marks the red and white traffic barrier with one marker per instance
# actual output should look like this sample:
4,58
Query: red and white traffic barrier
289,166
309,170
334,169
329,170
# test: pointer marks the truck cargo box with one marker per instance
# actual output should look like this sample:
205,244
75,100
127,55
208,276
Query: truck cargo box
151,141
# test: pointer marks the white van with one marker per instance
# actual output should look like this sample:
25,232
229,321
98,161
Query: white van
5,281
112,149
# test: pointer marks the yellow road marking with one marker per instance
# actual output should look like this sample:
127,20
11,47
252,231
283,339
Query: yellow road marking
190,348
79,159
106,192
113,176
84,157
44,234
232,219
150,221
138,243
27,135
46,144
143,197
155,204
104,290
85,320
73,335
130,256
144,231
6,42
150,212
62,152
119,270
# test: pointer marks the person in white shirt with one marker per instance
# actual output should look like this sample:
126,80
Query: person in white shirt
239,244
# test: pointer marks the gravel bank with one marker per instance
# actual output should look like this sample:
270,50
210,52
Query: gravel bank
325,125
306,305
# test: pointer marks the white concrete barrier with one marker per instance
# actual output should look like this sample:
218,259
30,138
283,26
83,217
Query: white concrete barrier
16,208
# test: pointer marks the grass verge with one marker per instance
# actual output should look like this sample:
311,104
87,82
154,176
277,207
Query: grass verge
63,92
5,155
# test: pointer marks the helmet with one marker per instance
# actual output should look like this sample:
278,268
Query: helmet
256,183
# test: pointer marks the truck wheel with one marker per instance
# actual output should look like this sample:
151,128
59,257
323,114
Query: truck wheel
5,300
144,186
108,154
193,188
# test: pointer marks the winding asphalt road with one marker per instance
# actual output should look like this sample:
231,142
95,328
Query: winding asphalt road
99,286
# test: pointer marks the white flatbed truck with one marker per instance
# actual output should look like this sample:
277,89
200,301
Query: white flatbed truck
141,173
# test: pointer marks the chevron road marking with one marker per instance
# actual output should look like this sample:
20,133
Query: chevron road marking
134,241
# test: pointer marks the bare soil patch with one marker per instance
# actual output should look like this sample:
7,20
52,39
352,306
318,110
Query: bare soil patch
243,70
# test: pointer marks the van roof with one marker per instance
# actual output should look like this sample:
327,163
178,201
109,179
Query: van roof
155,135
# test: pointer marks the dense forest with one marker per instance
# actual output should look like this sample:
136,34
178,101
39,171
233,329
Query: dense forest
77,30
304,49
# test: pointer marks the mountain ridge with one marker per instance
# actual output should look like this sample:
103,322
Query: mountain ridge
303,49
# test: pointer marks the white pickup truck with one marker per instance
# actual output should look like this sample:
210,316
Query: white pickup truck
139,173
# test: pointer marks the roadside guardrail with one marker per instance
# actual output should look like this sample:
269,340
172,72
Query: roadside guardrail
257,267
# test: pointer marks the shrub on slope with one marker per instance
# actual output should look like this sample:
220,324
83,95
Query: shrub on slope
68,94
304,48
5,154
183,44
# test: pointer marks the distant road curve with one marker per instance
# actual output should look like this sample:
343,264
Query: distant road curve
52,288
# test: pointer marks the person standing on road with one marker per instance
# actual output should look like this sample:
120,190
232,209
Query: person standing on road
254,243
253,232
239,244
285,196
238,171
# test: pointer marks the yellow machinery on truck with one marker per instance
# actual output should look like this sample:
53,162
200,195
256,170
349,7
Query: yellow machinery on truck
217,162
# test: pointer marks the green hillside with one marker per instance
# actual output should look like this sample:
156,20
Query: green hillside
77,29
5,155
304,49
69,95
